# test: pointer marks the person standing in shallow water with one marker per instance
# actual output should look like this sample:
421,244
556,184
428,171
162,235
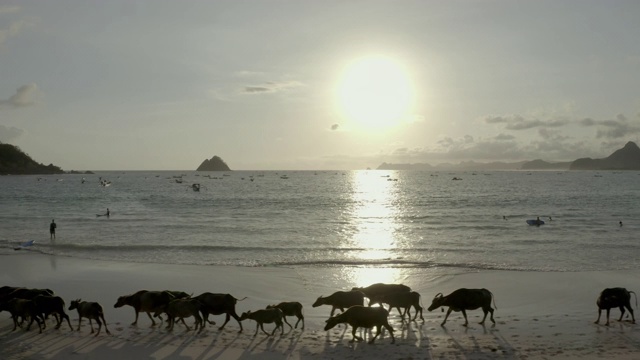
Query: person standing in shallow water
52,229
108,212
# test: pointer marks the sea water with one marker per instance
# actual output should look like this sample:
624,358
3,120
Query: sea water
366,218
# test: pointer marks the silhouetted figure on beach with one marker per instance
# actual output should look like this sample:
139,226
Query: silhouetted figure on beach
550,219
504,217
52,229
620,223
108,212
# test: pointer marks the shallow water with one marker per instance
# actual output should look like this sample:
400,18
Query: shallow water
404,219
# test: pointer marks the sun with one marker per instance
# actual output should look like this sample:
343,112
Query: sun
374,93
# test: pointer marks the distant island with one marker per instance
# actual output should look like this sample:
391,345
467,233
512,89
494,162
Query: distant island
213,164
627,158
15,162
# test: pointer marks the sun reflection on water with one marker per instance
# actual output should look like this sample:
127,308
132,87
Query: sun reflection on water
374,217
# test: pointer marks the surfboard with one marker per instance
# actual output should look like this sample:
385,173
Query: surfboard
535,222
24,245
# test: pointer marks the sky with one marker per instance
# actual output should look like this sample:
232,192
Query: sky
317,85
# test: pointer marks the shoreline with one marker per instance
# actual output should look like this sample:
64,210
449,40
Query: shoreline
538,315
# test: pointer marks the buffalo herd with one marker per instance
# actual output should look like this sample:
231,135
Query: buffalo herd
36,305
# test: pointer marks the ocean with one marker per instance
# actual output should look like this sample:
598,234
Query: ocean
357,219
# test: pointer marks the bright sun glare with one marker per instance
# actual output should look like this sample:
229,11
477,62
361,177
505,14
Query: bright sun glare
375,93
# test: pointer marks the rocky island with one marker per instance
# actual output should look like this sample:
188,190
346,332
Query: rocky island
213,164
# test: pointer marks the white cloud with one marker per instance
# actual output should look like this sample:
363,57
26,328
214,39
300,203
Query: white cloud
24,96
271,87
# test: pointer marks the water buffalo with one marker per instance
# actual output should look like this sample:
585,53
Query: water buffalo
46,305
374,291
182,308
90,310
465,299
22,308
615,297
292,308
402,300
265,316
217,304
341,300
145,301
366,317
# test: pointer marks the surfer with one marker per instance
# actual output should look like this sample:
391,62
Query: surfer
52,229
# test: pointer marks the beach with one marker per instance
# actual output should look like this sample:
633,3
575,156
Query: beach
538,315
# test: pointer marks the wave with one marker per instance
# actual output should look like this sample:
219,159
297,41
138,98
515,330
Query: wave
399,263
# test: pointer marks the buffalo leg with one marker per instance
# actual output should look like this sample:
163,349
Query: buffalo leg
226,320
286,322
466,321
379,329
621,312
599,313
607,324
105,325
633,318
153,322
355,337
446,316
388,327
418,308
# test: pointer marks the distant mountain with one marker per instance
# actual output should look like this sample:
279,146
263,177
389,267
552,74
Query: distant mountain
387,166
15,162
465,165
544,165
627,158
213,164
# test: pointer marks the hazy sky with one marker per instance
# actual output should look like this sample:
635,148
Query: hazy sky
161,85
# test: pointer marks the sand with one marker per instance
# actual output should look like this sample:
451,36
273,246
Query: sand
539,315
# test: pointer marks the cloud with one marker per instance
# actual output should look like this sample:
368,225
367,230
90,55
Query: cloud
619,127
23,97
271,87
9,133
256,89
14,27
9,9
517,122
504,137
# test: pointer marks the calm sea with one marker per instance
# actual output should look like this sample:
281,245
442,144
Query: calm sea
403,219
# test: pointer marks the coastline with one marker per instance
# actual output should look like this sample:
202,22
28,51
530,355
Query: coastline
538,315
